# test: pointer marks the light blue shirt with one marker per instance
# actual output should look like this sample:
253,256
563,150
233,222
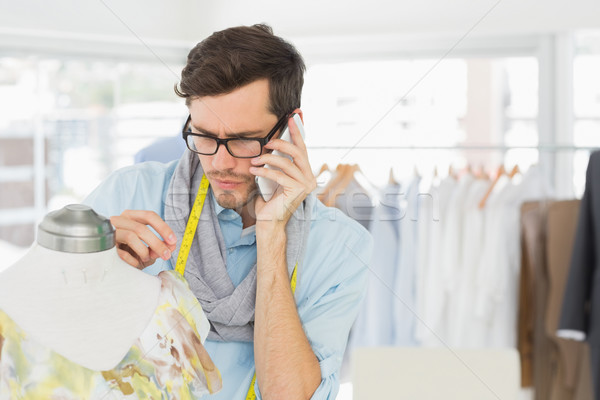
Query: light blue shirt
240,243
331,280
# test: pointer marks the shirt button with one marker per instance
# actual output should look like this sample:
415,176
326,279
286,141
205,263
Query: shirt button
229,251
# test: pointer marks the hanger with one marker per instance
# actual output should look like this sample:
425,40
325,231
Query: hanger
349,173
323,168
451,172
335,177
338,175
483,174
392,180
435,180
514,171
416,172
363,181
323,177
346,175
485,198
468,170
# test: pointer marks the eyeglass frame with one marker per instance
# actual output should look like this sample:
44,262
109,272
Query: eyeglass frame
263,141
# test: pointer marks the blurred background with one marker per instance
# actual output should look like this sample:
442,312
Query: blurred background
84,87
398,88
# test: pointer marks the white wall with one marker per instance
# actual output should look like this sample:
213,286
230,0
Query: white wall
191,19
157,19
170,27
339,17
329,30
99,27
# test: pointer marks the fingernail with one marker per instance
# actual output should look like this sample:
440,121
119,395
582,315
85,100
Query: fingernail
166,254
171,238
255,160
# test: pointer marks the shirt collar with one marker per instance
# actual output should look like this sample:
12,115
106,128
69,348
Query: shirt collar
217,206
231,226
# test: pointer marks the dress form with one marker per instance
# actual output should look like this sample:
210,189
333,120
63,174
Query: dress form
73,294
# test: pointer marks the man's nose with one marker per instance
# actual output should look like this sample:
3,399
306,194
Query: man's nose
222,160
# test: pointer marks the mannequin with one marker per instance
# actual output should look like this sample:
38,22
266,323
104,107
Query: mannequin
72,297
91,317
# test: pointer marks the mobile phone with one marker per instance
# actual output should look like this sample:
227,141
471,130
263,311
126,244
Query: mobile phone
266,186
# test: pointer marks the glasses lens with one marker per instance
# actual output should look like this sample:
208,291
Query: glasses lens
201,145
238,147
244,148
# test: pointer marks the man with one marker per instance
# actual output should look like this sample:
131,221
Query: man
241,85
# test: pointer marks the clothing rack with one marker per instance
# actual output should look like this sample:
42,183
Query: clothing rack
556,148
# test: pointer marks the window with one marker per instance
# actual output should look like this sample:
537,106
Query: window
67,123
586,103
423,102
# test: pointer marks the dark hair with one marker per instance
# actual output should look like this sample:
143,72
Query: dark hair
235,57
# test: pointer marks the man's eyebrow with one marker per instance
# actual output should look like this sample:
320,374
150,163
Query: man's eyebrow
229,135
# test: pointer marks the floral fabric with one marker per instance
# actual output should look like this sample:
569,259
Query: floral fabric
168,361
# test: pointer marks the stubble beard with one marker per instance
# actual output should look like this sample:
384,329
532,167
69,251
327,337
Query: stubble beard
232,199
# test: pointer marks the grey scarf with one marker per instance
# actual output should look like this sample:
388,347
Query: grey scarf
229,309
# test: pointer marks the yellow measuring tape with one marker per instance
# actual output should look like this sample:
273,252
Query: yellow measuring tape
186,245
192,224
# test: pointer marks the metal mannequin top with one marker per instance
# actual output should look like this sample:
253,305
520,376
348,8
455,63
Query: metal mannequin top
76,228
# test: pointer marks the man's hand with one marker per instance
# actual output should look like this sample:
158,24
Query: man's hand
296,179
137,244
286,366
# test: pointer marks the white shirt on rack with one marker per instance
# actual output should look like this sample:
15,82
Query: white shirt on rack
427,205
451,251
403,307
499,273
430,291
465,329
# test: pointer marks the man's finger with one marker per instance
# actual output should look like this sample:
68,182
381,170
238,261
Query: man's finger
298,154
283,163
295,134
277,176
154,220
126,256
135,246
137,234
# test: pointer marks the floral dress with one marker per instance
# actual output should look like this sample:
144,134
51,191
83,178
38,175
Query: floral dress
168,361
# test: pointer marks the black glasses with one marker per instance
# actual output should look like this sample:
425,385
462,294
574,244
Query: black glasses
238,147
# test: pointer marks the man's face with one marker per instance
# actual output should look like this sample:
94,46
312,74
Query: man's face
241,113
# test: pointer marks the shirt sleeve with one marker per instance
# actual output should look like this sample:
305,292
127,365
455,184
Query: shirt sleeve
110,197
329,305
138,187
336,312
